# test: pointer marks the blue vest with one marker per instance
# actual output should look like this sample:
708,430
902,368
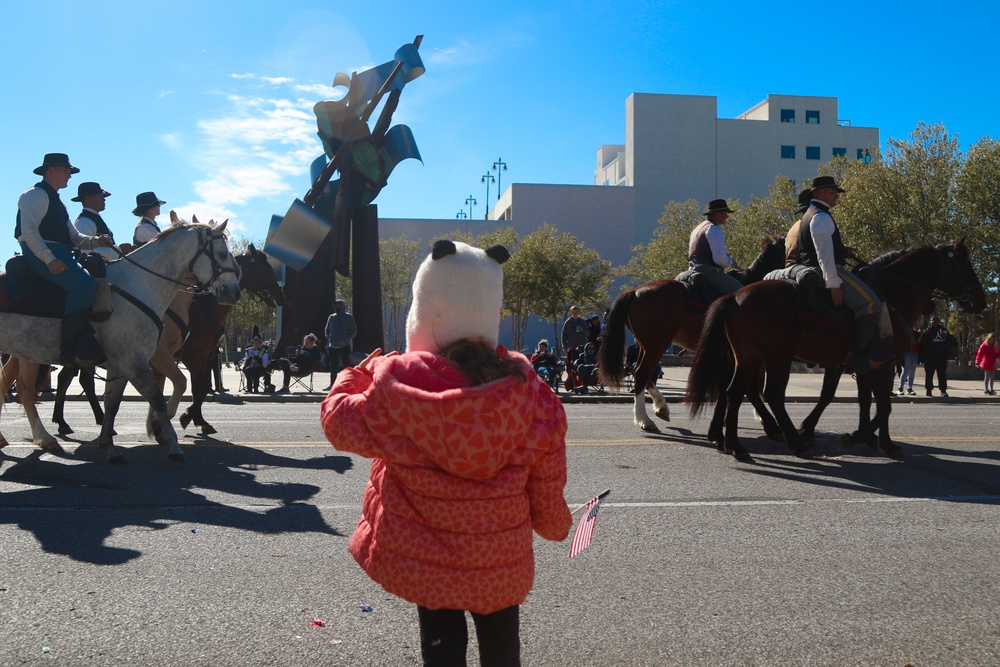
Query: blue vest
53,227
807,249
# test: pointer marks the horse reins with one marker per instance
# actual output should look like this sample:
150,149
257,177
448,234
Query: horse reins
203,249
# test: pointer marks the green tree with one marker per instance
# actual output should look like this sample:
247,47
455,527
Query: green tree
398,261
560,272
767,216
666,254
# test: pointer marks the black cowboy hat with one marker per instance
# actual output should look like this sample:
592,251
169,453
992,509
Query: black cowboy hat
717,206
55,160
804,198
826,182
89,188
145,201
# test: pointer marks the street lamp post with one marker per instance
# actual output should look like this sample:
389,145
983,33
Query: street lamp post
487,179
460,215
499,163
471,202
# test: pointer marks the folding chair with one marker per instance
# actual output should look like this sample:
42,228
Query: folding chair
301,381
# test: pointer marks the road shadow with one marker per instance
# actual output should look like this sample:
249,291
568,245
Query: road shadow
75,501
925,471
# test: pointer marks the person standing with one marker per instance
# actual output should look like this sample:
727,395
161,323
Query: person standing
821,249
340,331
47,238
468,457
910,365
934,346
707,254
986,359
575,332
147,207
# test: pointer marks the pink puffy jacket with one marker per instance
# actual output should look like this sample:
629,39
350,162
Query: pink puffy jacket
986,357
459,478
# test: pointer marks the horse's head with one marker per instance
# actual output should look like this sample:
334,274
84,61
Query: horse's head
212,264
771,257
258,277
958,277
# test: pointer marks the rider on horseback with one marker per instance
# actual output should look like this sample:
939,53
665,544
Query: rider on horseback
47,237
821,249
707,253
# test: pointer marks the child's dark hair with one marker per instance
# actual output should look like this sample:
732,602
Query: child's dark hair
480,363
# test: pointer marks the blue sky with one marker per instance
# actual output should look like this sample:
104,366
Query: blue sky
209,104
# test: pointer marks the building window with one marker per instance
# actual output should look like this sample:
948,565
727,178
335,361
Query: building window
839,151
788,115
864,155
788,152
812,117
812,152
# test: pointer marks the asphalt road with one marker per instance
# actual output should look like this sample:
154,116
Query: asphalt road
697,559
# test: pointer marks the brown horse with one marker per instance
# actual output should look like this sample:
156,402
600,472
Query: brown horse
660,313
761,326
207,324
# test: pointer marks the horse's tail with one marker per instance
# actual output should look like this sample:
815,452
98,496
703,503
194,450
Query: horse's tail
611,355
711,360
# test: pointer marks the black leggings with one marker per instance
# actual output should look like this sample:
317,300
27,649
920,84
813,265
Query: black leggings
444,637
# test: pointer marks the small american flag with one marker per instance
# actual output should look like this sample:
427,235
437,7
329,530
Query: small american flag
584,533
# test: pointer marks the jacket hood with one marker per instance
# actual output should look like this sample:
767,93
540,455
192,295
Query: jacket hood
425,411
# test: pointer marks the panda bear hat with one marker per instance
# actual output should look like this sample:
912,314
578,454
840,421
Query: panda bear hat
457,293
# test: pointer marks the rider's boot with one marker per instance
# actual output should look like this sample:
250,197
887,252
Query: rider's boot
869,350
77,344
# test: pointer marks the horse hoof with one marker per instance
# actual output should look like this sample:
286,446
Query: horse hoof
803,453
776,437
892,450
663,413
99,419
52,446
649,428
185,419
208,429
117,460
3,443
743,456
176,458
846,441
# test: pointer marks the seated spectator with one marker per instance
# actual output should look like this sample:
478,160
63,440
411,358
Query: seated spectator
544,362
255,366
301,362
594,330
586,367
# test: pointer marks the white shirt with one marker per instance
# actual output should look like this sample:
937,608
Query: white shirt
87,226
822,228
33,205
145,231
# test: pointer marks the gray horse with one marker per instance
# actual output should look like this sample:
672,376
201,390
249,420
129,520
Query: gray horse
144,282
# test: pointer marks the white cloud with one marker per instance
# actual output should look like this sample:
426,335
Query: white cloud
165,93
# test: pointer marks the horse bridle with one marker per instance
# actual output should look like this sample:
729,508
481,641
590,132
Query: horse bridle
949,271
205,240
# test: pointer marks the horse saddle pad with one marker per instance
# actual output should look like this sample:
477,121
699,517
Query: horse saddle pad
24,293
817,312
700,293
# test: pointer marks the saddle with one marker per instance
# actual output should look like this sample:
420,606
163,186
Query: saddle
22,292
700,293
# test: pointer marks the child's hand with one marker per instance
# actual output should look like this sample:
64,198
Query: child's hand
368,360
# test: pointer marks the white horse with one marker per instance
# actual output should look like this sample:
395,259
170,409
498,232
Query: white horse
144,283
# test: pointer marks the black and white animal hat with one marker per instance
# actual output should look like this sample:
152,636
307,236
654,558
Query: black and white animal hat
457,293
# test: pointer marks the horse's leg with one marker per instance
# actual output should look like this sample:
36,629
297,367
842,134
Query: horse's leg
735,392
199,390
644,377
142,379
114,389
164,367
26,381
8,373
90,389
866,430
660,407
778,372
63,380
882,379
766,419
831,379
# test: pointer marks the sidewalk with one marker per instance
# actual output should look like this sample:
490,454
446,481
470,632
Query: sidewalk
802,387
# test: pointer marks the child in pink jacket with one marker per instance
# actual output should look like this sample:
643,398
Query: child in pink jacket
986,358
468,460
